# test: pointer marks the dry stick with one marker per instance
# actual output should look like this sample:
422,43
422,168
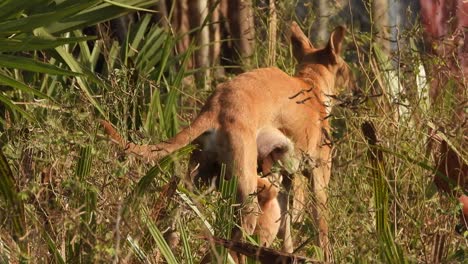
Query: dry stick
262,254
165,195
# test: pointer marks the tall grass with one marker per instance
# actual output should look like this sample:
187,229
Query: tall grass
75,198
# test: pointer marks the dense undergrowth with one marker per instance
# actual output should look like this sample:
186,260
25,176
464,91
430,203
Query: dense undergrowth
69,195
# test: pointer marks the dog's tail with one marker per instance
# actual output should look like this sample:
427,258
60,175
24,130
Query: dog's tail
205,121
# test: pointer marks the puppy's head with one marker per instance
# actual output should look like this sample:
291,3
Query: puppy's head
268,187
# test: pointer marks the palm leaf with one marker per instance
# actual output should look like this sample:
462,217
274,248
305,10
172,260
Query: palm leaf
22,63
32,43
97,14
29,23
159,238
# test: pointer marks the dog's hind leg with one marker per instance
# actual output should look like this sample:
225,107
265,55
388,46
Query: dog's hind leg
238,150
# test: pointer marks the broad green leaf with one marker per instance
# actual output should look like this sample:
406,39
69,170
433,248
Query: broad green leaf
17,62
83,84
9,104
129,6
6,80
95,54
95,15
36,43
139,35
29,23
11,8
152,50
85,53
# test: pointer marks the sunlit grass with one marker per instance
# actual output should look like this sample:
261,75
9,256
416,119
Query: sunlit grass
69,195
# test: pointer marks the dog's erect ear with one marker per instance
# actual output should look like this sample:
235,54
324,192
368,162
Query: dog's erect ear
299,41
336,40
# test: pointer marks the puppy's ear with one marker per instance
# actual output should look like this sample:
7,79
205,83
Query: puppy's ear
299,41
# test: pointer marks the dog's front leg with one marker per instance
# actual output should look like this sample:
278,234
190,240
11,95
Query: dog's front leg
321,178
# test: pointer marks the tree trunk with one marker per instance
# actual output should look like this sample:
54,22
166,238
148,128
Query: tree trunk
241,22
323,17
380,23
215,36
181,25
272,25
199,11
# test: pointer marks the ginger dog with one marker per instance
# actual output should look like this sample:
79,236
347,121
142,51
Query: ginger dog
204,168
296,105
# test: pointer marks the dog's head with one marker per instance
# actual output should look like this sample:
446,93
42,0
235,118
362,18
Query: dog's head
310,57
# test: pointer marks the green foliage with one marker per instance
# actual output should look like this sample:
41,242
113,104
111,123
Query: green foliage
36,26
82,202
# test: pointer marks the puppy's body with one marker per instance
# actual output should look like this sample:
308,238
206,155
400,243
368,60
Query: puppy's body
240,108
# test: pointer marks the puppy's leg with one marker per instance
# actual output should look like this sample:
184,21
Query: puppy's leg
269,219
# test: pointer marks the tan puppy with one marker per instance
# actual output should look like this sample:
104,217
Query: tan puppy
297,106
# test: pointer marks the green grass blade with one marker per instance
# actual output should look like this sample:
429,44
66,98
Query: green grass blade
51,245
170,112
390,251
95,53
139,252
162,167
158,238
15,206
185,241
84,163
194,208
